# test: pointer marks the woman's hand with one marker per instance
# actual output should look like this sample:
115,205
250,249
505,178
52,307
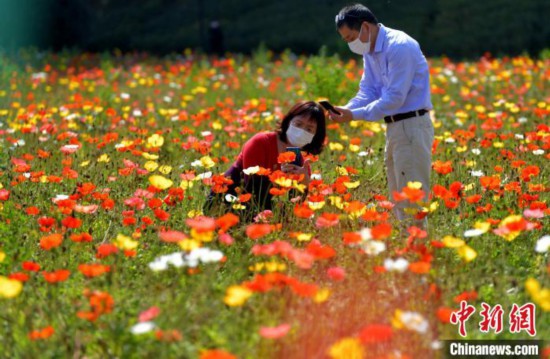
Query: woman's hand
293,169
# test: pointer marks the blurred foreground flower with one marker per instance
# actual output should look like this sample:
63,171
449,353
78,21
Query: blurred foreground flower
539,295
192,259
9,288
142,328
236,295
347,348
410,320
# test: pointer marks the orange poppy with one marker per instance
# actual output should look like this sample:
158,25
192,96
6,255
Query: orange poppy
94,269
227,221
42,333
381,231
442,168
304,289
320,251
216,354
59,275
286,157
444,314
351,237
466,296
473,198
81,237
419,267
51,241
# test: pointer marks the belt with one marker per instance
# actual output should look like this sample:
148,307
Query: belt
404,116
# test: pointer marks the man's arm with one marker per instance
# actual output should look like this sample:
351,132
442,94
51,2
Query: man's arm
366,93
401,70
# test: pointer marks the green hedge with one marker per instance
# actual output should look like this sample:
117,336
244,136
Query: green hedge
456,28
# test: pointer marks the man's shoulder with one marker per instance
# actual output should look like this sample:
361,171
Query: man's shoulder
398,38
400,43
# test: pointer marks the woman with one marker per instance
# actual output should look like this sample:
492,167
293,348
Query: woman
303,126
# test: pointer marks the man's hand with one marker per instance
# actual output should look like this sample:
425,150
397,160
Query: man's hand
346,115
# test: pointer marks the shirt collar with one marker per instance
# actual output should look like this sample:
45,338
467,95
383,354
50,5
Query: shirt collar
381,38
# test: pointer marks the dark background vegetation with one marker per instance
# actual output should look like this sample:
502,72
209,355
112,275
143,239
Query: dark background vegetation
456,28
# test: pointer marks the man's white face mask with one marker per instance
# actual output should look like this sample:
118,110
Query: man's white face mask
359,47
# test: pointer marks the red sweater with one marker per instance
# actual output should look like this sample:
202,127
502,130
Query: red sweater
261,150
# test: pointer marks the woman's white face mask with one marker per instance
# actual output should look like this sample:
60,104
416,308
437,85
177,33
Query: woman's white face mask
359,47
298,137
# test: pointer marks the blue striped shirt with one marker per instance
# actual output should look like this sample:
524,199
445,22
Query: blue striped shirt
396,78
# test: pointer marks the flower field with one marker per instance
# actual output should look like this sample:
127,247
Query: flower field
106,161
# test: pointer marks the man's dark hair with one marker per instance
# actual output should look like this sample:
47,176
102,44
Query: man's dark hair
353,16
315,112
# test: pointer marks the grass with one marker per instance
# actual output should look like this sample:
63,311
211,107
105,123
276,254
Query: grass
110,106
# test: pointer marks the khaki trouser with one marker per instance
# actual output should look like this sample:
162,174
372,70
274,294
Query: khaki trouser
408,158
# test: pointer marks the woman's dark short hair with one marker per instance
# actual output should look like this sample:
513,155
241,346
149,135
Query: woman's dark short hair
315,112
353,16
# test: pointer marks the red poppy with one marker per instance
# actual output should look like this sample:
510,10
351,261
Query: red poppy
154,203
320,251
129,221
172,236
274,332
336,273
473,198
161,215
376,333
173,335
201,224
255,231
32,211
304,289
528,172
30,266
22,277
302,210
46,221
327,220
4,194
149,314
105,250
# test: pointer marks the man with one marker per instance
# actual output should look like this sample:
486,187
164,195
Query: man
395,86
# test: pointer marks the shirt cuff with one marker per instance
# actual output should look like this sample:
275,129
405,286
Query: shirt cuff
357,114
